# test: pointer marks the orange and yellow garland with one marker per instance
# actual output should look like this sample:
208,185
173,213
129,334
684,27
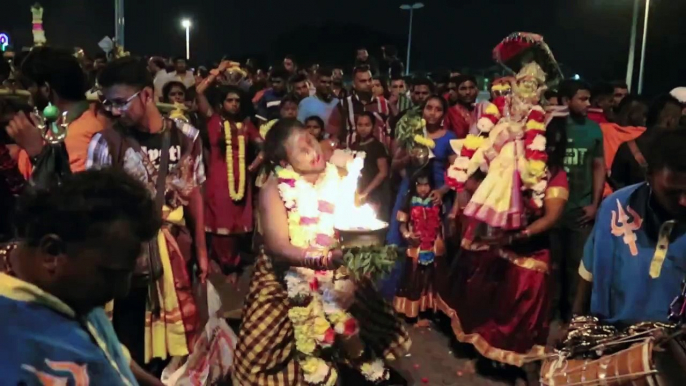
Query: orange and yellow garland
236,194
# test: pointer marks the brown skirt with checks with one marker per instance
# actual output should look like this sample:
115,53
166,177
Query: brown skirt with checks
265,355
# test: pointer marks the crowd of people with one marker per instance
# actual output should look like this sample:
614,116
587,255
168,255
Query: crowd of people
166,175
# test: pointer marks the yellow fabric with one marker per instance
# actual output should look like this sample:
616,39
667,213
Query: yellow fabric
495,191
19,290
492,109
661,249
585,273
557,192
165,335
534,125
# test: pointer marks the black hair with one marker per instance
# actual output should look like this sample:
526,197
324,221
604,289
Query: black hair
360,48
57,68
274,146
619,84
127,71
217,95
291,58
85,205
279,72
159,62
444,103
297,78
395,77
424,81
459,79
569,87
290,98
317,119
657,108
176,59
550,94
367,114
422,173
556,144
168,87
325,72
666,151
359,69
602,90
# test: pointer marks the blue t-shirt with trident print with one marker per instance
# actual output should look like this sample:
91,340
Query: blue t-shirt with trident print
635,261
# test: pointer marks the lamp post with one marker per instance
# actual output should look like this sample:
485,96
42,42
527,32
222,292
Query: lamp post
632,46
185,23
119,22
643,48
411,8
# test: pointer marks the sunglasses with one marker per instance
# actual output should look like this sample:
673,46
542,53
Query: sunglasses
110,105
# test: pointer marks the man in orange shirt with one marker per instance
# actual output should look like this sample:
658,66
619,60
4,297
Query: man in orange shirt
630,122
55,77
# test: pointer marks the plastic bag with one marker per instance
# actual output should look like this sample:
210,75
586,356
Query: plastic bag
212,356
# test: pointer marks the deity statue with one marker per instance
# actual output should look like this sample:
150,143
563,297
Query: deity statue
509,149
38,33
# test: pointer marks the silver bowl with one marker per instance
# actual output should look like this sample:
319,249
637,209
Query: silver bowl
360,237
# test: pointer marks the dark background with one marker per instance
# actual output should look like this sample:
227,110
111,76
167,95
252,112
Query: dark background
589,37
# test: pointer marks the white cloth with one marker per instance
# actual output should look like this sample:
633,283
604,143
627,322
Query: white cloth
187,79
159,82
680,94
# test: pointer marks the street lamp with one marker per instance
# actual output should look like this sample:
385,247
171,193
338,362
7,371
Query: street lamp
185,23
632,46
119,22
643,48
411,8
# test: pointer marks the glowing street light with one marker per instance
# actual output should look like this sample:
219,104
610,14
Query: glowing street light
185,23
411,8
632,46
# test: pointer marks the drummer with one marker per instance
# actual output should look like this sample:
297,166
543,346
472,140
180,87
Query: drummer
635,260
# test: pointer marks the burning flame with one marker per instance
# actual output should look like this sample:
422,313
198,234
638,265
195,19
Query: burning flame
348,215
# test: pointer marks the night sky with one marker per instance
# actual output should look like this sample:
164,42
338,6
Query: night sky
590,37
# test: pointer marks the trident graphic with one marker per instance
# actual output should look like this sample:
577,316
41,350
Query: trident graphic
621,226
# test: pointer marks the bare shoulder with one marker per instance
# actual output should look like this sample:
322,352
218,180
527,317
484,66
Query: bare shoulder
269,191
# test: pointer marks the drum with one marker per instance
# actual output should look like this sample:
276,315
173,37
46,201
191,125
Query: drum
642,364
633,366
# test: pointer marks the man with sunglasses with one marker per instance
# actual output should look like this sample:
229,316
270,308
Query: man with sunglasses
141,141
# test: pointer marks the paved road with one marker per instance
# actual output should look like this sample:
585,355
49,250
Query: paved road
432,360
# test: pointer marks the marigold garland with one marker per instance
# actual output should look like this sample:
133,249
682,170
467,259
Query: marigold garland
236,194
318,320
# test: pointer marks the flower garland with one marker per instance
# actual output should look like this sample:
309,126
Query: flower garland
317,317
534,175
425,217
475,151
236,194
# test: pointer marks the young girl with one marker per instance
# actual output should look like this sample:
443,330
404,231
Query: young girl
421,227
315,126
373,186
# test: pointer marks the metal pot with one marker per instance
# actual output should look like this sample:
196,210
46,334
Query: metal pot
350,238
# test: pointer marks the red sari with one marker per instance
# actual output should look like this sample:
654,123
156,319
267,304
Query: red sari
226,219
498,299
